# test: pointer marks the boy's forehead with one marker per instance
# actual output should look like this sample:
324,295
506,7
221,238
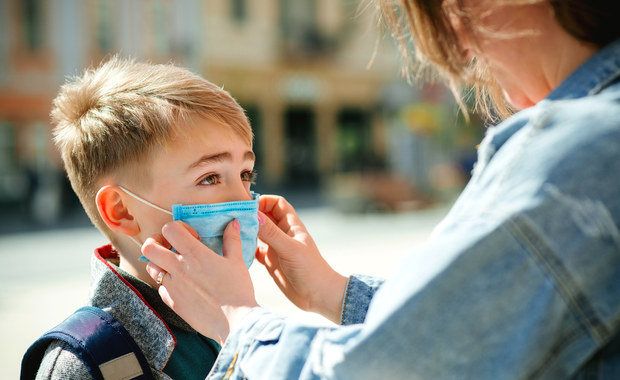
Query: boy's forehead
204,138
204,128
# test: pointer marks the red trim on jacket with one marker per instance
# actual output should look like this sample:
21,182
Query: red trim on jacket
107,252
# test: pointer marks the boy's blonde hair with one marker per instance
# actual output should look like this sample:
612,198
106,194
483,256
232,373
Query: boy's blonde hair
108,121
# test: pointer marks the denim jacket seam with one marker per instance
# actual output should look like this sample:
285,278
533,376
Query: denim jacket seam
236,356
567,339
214,369
585,327
602,85
345,300
546,259
237,352
218,361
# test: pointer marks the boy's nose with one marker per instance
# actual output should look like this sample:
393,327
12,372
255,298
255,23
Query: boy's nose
238,192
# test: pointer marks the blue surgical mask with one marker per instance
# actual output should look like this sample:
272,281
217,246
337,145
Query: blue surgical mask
210,220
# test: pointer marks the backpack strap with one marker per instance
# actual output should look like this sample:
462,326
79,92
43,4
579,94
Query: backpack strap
99,340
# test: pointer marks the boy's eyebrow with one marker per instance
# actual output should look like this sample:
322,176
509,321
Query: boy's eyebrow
249,156
218,157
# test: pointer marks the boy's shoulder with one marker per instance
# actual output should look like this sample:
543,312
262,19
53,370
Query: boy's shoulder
89,338
61,362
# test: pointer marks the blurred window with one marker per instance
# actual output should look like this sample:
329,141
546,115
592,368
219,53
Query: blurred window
239,10
8,158
31,14
297,17
300,147
13,181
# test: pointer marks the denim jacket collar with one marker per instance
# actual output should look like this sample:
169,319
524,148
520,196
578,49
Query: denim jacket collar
602,69
594,75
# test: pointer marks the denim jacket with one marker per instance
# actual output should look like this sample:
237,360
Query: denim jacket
521,280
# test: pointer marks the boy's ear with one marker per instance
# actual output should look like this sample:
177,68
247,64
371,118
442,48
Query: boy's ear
111,205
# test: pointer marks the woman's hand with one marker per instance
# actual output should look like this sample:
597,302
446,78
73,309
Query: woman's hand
294,262
210,292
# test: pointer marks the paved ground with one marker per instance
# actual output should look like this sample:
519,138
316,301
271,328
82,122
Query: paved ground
45,275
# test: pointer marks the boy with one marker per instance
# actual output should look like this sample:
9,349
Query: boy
136,139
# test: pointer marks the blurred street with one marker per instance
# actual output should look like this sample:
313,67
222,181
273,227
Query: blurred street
46,273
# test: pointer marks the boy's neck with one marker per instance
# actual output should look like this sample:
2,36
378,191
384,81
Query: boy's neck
128,256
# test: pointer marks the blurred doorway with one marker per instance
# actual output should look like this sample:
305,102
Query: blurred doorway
355,144
300,148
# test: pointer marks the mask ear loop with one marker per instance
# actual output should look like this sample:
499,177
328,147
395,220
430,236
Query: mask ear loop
145,201
142,258
135,241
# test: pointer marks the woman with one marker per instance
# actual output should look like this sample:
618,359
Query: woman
525,276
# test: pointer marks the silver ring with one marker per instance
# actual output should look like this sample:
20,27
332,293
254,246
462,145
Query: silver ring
160,277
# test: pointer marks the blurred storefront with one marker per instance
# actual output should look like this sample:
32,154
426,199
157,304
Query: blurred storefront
323,120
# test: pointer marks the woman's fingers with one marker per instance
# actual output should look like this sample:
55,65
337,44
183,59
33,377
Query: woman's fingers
232,241
185,239
267,258
161,240
153,269
156,251
162,277
281,213
275,237
164,293
190,229
210,292
259,255
182,237
169,291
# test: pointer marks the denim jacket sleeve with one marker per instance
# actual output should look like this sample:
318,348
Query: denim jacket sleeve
359,293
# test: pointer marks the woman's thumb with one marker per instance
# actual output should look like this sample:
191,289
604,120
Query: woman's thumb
232,240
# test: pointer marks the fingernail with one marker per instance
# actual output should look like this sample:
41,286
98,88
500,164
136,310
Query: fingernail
143,258
261,219
236,225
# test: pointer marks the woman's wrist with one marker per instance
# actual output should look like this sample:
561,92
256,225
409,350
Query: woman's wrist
328,300
234,316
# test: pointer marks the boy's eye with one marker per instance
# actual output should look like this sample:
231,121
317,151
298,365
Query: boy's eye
248,176
211,179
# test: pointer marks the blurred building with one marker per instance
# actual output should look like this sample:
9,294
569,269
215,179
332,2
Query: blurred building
299,68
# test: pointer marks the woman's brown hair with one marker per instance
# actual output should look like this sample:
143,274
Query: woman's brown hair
427,38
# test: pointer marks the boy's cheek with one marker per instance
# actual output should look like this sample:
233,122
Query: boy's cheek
152,224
